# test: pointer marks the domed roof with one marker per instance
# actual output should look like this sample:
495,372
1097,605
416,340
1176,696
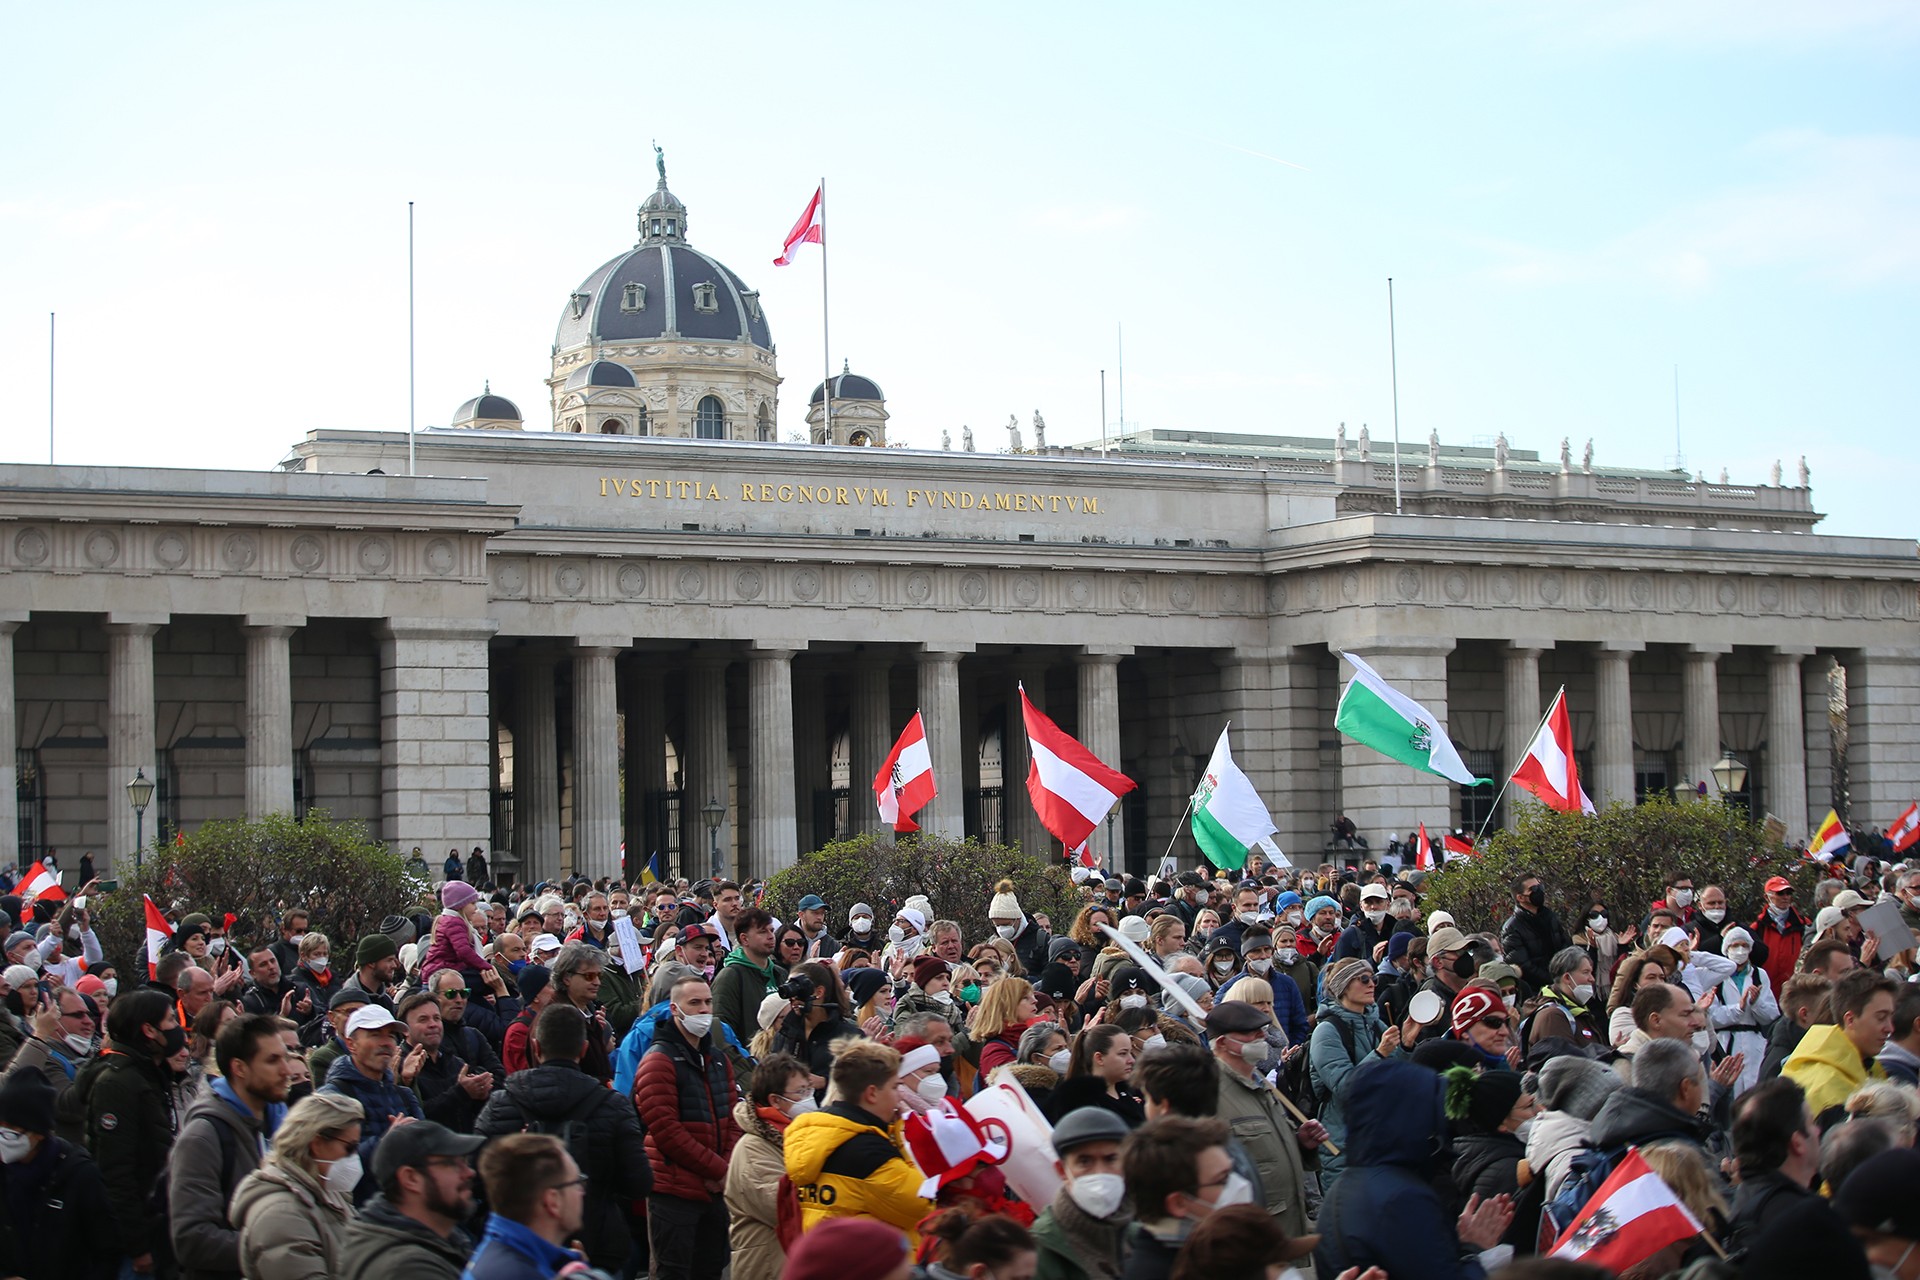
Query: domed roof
653,290
601,373
849,386
487,405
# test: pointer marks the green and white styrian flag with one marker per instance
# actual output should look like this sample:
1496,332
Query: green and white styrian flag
1375,714
1229,818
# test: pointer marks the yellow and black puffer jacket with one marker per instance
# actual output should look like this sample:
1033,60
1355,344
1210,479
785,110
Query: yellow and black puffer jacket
846,1163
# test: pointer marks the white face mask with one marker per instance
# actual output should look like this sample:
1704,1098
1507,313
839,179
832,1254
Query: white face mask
896,935
803,1106
1060,1061
13,1146
695,1024
1007,931
1248,917
1583,993
1683,898
1098,1194
1739,954
1288,955
1525,1130
1253,1052
1236,1190
318,964
1154,1041
1375,917
1598,924
1715,914
942,997
217,947
110,985
862,925
297,939
1134,1001
1223,966
344,1175
932,1088
1259,966
1295,917
78,1043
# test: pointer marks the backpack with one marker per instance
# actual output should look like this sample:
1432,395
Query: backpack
1344,1030
1591,1168
159,1205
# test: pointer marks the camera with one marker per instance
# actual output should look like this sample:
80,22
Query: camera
798,987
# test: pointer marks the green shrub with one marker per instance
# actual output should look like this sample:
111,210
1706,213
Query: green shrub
1621,856
345,879
957,876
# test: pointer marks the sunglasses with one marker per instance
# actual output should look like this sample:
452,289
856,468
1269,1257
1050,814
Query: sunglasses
1491,1023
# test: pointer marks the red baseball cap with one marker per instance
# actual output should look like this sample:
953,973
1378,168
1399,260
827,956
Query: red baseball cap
1779,884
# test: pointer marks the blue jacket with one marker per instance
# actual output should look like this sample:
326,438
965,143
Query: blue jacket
379,1099
509,1251
1383,1211
626,1059
1289,1010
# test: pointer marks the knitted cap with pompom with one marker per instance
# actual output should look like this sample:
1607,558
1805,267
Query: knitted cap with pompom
1005,906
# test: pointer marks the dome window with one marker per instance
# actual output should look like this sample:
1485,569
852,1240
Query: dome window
611,427
673,226
752,299
706,297
580,301
860,439
655,229
710,418
633,297
763,423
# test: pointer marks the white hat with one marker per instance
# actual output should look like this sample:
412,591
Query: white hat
1005,906
371,1017
1735,935
1373,889
544,942
19,976
1135,928
915,1059
914,917
1437,918
1829,916
921,903
1674,937
770,1009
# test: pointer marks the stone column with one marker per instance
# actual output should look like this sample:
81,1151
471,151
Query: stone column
1816,683
1613,724
945,814
706,766
1883,750
435,726
773,832
1256,703
536,768
1099,674
1381,795
10,621
1700,712
1787,739
646,768
269,715
1022,822
596,761
870,735
130,727
1523,714
812,752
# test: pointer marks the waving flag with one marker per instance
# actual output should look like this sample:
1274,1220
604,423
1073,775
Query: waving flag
1830,840
1548,769
1422,850
1631,1217
905,783
158,931
1375,714
1229,818
656,869
41,883
809,230
1905,829
1072,791
1459,847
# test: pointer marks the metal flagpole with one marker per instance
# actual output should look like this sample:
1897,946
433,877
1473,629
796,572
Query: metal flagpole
1393,354
1558,694
50,336
410,337
1103,413
826,341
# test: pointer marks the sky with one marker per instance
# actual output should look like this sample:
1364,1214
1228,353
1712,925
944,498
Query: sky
1572,200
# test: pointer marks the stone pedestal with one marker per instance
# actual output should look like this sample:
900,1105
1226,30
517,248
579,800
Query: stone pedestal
130,730
269,716
773,841
945,814
536,768
596,762
434,732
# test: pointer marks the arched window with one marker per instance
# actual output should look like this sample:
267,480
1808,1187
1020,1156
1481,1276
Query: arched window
763,422
710,419
860,439
611,427
573,425
643,427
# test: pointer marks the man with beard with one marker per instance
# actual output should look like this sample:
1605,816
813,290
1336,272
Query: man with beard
412,1228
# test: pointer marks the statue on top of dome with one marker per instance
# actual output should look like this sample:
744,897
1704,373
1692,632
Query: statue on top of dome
1776,473
1500,452
1566,456
660,163
1039,430
1340,443
1366,443
1586,457
1806,477
1433,448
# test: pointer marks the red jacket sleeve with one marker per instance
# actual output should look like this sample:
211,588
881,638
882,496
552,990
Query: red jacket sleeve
656,1095
994,1053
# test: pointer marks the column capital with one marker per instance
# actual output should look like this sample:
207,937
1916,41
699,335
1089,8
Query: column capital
1103,652
955,649
709,660
1397,646
1794,653
435,628
1530,645
597,648
275,621
1706,650
617,643
1622,649
775,648
133,624
11,618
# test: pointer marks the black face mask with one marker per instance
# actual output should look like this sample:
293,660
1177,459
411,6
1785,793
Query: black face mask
1465,965
299,1091
176,1040
1537,896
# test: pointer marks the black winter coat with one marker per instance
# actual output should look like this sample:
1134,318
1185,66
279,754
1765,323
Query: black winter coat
1528,940
64,1207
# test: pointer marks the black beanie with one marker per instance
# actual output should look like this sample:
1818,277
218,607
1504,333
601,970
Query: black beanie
26,1103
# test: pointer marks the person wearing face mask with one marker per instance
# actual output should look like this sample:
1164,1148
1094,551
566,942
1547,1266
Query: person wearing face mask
599,1126
1779,933
56,1199
1322,929
1258,1118
1257,953
1028,939
1098,1069
60,1046
860,930
780,1092
1711,917
1177,1172
685,1093
1488,1109
1370,929
1349,1034
1533,934
1568,1003
1744,1010
1079,1235
848,1158
129,1123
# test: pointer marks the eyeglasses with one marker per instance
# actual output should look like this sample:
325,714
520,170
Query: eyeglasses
580,1181
450,992
1493,1023
1364,979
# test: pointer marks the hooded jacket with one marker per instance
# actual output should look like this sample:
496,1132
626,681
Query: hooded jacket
1384,1211
639,1039
379,1099
291,1225
1829,1068
383,1242
64,1236
453,946
739,988
607,1143
204,1169
1777,947
846,1163
1553,1141
1636,1117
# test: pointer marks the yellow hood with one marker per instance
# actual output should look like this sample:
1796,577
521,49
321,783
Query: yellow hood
1829,1047
812,1137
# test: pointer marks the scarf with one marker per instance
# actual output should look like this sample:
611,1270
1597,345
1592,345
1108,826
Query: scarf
776,1120
1095,1241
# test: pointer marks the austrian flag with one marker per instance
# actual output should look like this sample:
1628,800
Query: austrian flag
904,784
158,931
1633,1216
1548,769
1072,790
811,229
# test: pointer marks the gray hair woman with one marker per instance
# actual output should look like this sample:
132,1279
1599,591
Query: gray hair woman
293,1210
576,981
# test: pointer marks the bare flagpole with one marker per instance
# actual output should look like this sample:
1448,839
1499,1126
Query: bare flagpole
51,317
410,337
826,341
1393,350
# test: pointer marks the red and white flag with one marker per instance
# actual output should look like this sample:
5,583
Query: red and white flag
41,883
1905,830
809,230
1548,770
905,781
1631,1217
1459,846
1072,791
1422,850
158,931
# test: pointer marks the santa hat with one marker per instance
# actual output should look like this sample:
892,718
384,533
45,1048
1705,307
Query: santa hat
948,1143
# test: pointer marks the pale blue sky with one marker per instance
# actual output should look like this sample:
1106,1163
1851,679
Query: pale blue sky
1571,199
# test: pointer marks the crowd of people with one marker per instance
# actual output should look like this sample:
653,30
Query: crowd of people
1252,1075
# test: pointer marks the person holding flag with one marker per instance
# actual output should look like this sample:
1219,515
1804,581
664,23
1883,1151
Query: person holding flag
905,783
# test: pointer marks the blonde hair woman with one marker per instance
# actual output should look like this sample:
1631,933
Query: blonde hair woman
292,1211
1006,1009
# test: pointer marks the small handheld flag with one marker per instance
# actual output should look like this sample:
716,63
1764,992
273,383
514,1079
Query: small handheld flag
158,931
1830,840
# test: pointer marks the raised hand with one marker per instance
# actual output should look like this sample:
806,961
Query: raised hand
1482,1223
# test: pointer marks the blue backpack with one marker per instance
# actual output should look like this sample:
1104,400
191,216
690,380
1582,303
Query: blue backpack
1590,1170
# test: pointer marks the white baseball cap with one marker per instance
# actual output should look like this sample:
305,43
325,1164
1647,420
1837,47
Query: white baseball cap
371,1017
544,942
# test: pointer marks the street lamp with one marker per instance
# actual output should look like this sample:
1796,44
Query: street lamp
1110,842
139,795
713,812
1730,774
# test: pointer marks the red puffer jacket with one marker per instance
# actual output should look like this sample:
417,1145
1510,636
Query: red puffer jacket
685,1097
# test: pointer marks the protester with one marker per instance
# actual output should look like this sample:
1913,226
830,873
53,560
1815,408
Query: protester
537,1196
1259,1119
412,1227
1832,1061
292,1212
1177,1172
684,1093
847,1159
366,1074
1349,1032
1571,1088
780,1091
220,1142
1776,1220
130,1116
55,1212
